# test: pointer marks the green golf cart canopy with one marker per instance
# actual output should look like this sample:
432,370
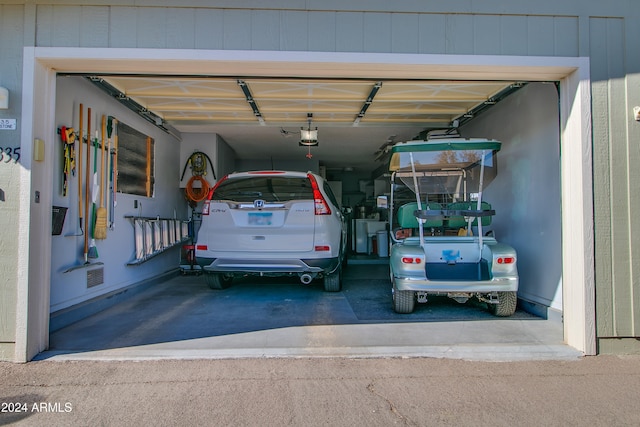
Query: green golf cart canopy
440,154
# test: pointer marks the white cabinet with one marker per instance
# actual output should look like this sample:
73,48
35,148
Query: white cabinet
365,230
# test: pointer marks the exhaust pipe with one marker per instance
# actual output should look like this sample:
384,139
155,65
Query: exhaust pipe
306,278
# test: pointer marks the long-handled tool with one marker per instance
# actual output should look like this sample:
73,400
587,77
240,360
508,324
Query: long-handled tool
100,230
83,203
79,231
92,251
114,172
80,142
107,183
86,188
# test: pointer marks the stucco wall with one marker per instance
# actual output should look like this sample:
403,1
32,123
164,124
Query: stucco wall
12,19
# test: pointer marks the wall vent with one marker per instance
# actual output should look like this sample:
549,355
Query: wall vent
95,277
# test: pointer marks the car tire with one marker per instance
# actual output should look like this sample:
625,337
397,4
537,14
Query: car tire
333,281
217,280
403,301
506,306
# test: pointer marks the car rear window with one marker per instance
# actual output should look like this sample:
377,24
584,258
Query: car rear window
269,189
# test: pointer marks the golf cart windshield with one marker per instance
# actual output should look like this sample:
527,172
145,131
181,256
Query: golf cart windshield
450,168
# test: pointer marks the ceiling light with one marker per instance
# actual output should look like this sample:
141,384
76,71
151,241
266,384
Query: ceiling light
309,137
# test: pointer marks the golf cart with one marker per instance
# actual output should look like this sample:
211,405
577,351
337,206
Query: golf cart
440,242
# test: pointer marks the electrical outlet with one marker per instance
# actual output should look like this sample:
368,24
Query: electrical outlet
37,197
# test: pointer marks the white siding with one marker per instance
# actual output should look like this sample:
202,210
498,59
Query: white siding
259,29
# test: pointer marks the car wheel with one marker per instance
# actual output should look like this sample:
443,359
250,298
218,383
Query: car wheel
506,306
218,280
403,301
333,281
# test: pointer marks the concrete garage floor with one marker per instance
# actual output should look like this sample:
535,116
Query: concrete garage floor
182,318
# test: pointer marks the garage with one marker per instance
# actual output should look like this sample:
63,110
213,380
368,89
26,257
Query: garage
249,143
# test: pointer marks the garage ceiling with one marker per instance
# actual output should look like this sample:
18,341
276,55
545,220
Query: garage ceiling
262,117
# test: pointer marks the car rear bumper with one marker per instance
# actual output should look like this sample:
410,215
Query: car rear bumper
269,266
501,284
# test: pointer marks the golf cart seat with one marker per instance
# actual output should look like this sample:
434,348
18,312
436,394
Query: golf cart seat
458,221
407,219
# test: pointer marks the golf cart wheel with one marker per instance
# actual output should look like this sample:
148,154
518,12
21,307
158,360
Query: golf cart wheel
506,306
333,281
403,301
218,280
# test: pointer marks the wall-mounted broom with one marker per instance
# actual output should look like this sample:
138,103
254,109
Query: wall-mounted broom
100,230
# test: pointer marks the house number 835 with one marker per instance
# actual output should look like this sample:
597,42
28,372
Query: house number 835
7,154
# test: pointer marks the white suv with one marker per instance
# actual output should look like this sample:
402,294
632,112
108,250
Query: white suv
272,223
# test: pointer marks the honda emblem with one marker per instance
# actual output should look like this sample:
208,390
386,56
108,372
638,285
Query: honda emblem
258,204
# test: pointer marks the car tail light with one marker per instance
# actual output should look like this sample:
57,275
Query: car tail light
321,205
202,247
411,260
506,260
205,206
322,248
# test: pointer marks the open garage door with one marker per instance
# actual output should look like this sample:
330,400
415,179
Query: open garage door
408,73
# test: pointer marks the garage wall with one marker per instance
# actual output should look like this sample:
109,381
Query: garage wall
118,248
226,157
526,192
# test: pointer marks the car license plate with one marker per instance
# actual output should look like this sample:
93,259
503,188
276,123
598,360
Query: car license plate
260,218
